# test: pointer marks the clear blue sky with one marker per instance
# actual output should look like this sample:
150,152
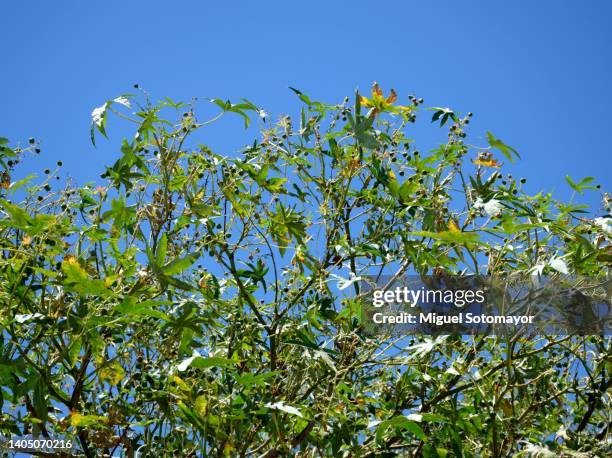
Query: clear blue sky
536,73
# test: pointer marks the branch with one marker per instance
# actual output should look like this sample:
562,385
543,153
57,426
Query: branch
297,440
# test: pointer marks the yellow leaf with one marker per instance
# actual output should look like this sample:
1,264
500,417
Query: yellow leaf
227,449
112,373
70,260
200,406
379,102
80,420
203,282
403,108
108,281
452,226
180,383
26,240
392,98
488,162
506,407
365,101
5,182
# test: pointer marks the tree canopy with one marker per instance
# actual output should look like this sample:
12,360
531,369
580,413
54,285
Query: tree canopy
205,304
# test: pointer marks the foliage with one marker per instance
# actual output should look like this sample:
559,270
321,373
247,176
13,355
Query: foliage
202,304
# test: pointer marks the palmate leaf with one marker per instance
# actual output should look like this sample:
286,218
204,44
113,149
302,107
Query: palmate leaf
313,105
78,280
286,224
506,150
111,373
122,215
407,190
255,272
240,108
99,115
443,115
19,217
275,185
581,185
148,308
166,273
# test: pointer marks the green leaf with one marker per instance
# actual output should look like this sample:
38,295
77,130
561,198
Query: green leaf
148,308
429,451
98,121
253,379
213,361
40,400
581,185
257,273
21,183
177,283
19,217
275,185
434,418
78,280
99,115
393,426
178,266
74,350
443,114
501,146
303,97
200,362
406,190
239,109
162,248
122,214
